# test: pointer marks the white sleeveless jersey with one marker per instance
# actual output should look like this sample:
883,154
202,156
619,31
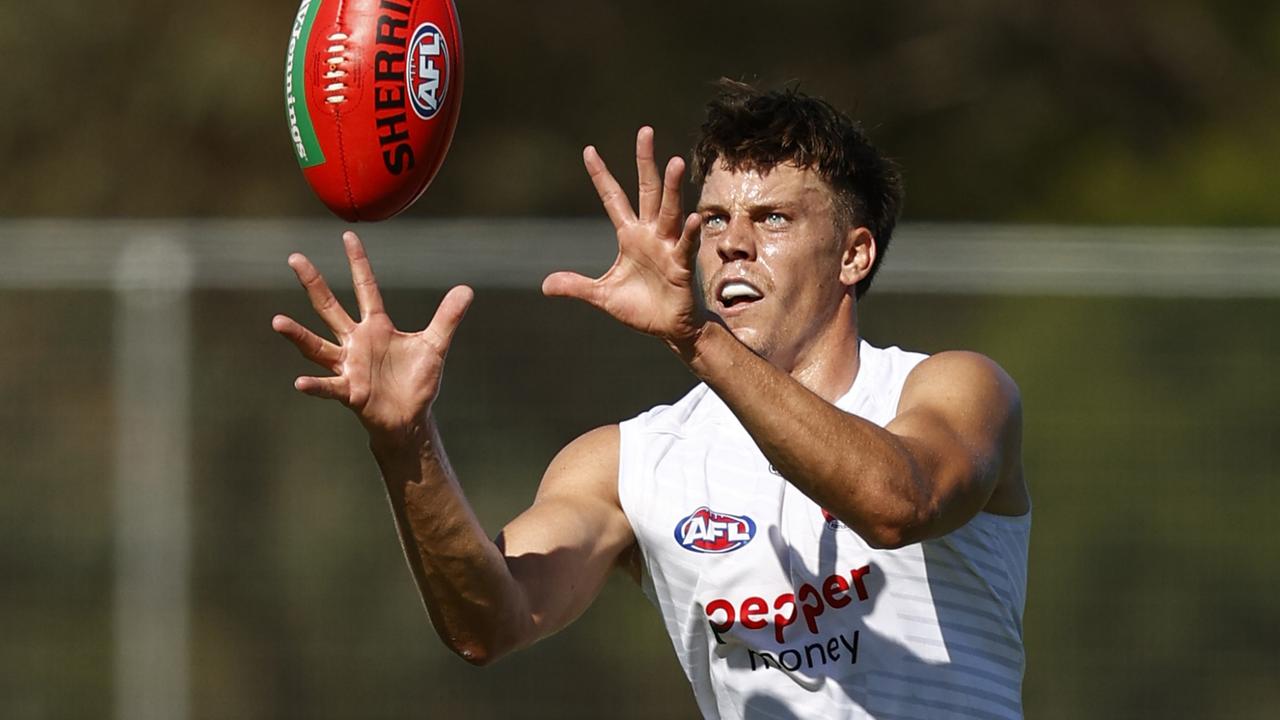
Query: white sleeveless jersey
777,610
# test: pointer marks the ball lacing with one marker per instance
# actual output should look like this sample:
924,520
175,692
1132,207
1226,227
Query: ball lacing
335,73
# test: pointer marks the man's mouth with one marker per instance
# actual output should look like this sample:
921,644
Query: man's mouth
733,293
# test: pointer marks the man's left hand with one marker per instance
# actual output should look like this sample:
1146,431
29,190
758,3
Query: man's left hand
650,287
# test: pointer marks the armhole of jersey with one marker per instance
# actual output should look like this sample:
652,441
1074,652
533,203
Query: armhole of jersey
628,447
1010,520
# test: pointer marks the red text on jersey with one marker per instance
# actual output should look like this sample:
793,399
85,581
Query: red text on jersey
808,601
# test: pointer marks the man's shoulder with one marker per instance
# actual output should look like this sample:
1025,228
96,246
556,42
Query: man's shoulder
960,372
974,397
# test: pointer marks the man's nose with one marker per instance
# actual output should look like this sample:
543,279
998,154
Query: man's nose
737,241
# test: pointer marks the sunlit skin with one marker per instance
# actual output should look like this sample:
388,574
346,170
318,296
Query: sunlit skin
779,231
776,361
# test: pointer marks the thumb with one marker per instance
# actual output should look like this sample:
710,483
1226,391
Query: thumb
449,315
569,284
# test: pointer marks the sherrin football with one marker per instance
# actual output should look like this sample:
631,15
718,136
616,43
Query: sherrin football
372,92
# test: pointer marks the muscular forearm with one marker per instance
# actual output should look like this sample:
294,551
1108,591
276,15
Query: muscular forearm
475,605
390,379
855,469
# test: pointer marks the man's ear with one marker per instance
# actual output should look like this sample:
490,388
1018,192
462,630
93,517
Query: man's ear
859,255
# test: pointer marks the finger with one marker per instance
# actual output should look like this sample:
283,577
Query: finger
449,315
611,194
687,245
647,170
669,213
368,298
322,299
329,388
312,346
569,284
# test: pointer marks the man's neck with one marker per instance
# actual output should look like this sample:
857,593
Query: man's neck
828,365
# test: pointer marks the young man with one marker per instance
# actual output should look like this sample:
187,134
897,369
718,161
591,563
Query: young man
829,529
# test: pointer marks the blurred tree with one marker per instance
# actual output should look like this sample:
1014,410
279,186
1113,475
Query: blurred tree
1093,111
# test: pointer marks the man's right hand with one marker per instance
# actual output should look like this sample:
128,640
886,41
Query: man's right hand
485,599
387,377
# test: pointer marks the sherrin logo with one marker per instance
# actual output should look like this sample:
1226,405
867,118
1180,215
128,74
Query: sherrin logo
707,531
426,72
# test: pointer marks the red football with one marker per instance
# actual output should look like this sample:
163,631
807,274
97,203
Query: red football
372,91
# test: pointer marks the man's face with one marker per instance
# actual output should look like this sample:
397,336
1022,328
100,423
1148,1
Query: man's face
770,257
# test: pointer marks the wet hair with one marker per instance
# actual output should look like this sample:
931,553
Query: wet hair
751,129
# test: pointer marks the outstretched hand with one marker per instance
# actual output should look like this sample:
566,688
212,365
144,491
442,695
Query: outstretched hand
387,377
650,286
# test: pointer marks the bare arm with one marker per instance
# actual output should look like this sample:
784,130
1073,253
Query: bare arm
488,599
484,599
562,548
953,449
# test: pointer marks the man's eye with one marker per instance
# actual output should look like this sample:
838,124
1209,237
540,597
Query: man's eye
713,222
774,218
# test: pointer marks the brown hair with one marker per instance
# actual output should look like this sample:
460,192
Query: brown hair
747,128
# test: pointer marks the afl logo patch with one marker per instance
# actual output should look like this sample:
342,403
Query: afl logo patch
707,531
426,71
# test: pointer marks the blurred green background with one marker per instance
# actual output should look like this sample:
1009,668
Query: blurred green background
1153,443
1092,111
